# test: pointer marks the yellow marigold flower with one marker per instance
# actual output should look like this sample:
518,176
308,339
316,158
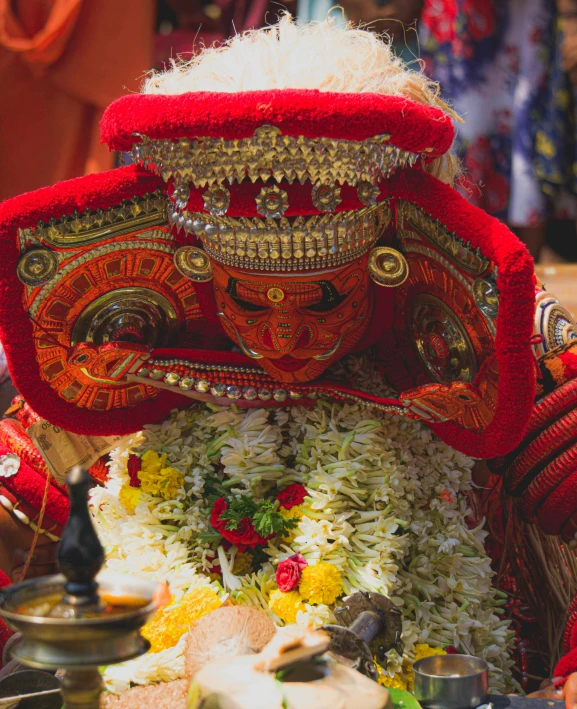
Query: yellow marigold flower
172,622
321,583
395,682
424,650
242,564
157,478
286,605
129,497
421,650
295,512
152,462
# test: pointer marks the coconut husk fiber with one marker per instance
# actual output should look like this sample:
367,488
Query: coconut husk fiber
227,632
166,695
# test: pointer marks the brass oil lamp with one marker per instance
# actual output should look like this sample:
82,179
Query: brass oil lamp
79,620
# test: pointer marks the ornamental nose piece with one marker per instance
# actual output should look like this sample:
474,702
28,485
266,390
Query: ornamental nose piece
81,555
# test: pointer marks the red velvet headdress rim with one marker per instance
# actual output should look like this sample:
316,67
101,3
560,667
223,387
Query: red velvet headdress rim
413,127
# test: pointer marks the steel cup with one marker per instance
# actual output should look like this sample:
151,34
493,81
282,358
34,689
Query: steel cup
451,681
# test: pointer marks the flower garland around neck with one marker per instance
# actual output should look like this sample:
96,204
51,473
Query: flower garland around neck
292,511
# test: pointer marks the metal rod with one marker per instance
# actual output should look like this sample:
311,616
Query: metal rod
5,701
367,626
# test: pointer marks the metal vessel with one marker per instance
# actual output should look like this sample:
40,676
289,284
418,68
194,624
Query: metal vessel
80,619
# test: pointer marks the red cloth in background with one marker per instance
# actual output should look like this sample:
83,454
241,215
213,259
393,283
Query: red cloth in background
61,63
197,30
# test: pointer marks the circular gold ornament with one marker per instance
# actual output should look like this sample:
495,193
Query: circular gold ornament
368,193
216,200
442,341
486,297
37,267
181,195
388,267
133,314
275,295
193,263
326,198
272,202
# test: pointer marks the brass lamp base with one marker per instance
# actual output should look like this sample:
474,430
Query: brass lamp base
78,645
82,689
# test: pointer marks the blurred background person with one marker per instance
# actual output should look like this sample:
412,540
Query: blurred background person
186,25
503,67
395,17
61,63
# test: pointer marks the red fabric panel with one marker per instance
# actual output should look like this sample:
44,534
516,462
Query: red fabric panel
307,112
243,198
30,485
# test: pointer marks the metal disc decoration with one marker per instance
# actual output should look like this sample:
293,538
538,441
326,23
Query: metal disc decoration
37,267
193,263
486,297
388,267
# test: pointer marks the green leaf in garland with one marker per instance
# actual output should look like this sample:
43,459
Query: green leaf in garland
402,699
268,520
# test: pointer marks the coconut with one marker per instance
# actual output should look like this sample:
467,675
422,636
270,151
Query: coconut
226,632
167,695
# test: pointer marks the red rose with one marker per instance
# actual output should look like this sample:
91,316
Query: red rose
288,572
292,496
219,509
134,465
245,535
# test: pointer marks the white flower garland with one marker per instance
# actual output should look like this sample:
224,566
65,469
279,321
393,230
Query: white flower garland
387,507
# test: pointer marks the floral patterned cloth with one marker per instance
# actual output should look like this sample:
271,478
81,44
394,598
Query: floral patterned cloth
492,60
556,154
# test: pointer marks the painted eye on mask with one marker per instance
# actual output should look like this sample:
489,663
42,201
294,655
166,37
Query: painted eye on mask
244,304
330,299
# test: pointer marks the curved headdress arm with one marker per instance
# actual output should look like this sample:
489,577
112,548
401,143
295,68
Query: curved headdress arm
18,331
507,258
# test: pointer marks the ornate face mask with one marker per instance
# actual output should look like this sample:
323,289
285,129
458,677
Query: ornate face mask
295,326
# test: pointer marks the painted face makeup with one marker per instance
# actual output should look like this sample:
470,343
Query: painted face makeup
296,325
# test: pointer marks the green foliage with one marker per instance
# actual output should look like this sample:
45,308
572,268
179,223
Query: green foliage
264,514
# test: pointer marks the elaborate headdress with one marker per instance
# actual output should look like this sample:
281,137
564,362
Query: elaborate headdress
284,208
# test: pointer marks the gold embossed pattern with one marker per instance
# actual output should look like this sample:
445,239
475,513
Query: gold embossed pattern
270,155
316,242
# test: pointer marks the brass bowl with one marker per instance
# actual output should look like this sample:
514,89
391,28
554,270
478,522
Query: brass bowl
451,681
78,643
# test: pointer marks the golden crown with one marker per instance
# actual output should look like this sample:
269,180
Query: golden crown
301,243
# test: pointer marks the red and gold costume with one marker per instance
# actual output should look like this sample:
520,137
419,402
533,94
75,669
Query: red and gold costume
259,237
